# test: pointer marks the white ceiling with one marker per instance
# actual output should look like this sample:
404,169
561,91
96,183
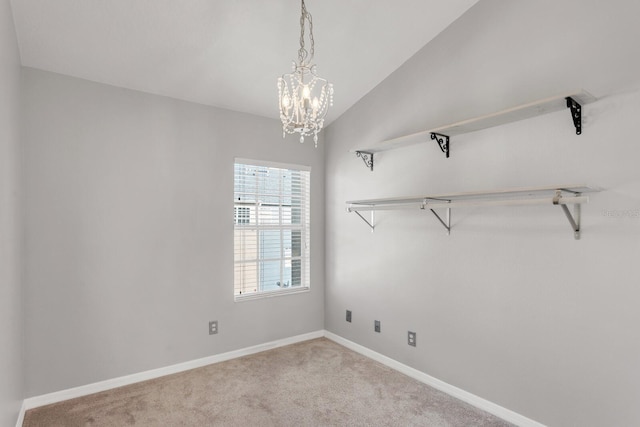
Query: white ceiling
226,53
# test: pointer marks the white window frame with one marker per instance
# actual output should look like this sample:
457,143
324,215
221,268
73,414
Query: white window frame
241,257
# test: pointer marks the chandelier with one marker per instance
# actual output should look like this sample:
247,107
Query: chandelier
303,97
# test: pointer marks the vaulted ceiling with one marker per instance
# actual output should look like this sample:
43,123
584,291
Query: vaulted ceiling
226,53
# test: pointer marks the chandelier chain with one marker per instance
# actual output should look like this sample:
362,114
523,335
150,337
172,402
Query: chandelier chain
302,52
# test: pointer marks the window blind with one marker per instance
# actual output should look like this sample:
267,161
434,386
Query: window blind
271,228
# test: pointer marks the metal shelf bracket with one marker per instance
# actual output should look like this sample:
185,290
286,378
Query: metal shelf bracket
367,158
369,223
443,142
576,113
446,222
574,220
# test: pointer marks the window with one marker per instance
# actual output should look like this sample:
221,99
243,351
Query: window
271,228
241,214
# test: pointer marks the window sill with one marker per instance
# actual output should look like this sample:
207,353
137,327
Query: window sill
270,294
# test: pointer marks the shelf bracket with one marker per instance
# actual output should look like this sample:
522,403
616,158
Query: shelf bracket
574,220
370,224
443,142
576,113
367,158
446,222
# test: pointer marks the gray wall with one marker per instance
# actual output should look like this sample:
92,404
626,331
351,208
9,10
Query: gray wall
11,392
127,201
129,232
509,307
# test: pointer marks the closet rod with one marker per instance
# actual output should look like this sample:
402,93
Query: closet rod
474,203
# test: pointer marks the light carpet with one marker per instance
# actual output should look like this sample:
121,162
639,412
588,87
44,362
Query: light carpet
312,383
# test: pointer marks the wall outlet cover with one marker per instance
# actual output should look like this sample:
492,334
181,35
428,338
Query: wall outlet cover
411,338
213,327
349,316
376,325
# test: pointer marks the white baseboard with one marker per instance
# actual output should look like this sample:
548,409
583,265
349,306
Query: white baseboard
58,396
21,415
472,399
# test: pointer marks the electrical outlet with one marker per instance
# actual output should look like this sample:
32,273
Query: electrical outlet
349,316
411,338
213,327
376,325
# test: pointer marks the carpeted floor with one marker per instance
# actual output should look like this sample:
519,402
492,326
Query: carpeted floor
313,383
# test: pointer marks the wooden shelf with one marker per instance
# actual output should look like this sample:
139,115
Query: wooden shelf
509,115
552,195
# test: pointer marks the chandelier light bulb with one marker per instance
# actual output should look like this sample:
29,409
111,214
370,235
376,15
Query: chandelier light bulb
285,101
